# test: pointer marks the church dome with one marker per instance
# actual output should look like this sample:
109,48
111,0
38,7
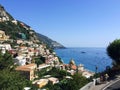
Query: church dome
72,62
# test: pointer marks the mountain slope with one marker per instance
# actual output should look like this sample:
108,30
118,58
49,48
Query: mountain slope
16,29
50,42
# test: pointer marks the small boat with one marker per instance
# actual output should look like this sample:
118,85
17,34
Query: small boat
83,52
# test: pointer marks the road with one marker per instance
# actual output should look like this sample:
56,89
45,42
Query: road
114,86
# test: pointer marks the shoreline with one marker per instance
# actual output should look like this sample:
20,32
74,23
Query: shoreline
93,57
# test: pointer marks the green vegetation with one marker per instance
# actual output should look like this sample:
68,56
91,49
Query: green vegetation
6,61
58,73
113,50
22,31
75,83
53,72
41,73
14,30
39,60
9,78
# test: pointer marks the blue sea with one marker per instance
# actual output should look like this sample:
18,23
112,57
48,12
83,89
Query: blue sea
89,57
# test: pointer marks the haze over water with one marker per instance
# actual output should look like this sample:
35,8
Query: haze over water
90,57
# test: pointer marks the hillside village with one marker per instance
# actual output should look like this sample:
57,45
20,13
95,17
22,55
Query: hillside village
32,55
24,59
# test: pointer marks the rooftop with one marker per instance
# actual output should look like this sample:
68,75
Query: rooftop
26,67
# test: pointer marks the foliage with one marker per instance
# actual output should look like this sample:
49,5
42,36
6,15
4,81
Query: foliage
39,60
113,50
75,83
53,72
57,73
6,61
10,79
96,75
13,30
79,80
41,72
50,86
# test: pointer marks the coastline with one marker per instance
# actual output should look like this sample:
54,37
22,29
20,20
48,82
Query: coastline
93,56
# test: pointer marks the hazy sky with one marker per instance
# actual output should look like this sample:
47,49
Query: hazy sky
73,23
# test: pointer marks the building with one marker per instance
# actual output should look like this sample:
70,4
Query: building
4,47
27,70
20,60
72,65
19,41
87,73
53,80
3,37
84,71
40,83
81,67
15,22
44,66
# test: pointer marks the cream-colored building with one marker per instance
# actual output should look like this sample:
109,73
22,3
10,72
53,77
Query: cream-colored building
3,37
28,71
53,80
40,83
4,47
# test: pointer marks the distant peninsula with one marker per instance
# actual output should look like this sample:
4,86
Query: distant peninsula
53,44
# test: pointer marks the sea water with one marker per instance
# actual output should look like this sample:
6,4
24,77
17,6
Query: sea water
89,57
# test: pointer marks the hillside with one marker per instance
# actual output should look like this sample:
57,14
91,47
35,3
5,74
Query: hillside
16,29
50,42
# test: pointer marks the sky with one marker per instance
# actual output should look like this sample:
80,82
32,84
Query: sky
73,23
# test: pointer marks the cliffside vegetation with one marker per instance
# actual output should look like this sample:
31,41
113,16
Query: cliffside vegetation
14,31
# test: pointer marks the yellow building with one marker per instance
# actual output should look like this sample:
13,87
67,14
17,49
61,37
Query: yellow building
40,83
3,36
27,70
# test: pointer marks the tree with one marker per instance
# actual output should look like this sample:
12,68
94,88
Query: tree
55,72
39,60
11,80
75,83
79,80
6,61
113,50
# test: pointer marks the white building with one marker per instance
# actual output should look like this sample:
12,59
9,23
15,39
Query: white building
20,60
4,47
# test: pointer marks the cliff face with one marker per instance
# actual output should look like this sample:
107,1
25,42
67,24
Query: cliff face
16,29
